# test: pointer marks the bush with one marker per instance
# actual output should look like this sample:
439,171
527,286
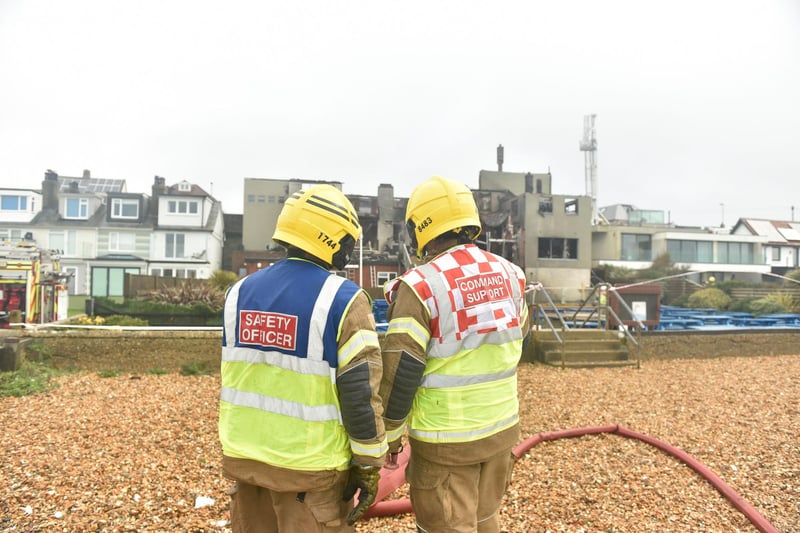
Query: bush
709,298
776,302
124,320
221,280
161,314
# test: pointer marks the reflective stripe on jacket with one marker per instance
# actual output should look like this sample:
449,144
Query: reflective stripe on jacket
476,305
279,402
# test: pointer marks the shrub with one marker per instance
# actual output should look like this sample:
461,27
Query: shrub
711,298
776,302
221,280
124,320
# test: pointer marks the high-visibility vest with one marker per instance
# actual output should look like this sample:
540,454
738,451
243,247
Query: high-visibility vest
278,402
477,308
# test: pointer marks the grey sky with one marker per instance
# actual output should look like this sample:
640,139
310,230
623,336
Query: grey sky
696,100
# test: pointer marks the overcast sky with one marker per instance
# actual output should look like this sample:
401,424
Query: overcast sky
697,101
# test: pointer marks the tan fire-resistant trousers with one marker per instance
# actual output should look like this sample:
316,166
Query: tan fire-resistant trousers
257,509
458,498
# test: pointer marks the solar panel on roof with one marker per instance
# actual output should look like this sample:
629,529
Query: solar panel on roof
789,234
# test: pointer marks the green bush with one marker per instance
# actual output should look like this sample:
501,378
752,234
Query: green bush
709,298
776,302
222,279
162,314
124,320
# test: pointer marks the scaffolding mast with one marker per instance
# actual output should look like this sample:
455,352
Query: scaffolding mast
588,146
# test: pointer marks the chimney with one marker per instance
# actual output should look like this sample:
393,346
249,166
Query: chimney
87,174
50,191
500,158
159,188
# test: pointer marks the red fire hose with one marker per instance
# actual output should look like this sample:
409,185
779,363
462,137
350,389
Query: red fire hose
393,479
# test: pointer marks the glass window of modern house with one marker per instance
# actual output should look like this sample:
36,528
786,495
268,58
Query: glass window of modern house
636,247
776,253
736,253
10,234
13,202
76,208
182,207
121,241
685,251
125,208
110,281
66,241
174,245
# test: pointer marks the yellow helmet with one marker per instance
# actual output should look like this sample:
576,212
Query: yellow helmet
437,206
321,221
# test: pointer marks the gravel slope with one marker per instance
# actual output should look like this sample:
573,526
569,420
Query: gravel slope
138,453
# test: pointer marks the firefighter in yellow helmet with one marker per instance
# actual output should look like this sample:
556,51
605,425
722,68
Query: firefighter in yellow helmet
456,328
300,418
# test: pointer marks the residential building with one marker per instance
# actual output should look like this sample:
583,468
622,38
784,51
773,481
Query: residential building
781,251
103,232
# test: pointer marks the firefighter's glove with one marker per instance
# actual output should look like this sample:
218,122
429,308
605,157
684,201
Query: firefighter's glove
365,480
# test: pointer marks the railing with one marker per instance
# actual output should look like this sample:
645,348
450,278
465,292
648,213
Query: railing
633,337
540,311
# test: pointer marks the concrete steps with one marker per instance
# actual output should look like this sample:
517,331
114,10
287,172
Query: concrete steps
582,348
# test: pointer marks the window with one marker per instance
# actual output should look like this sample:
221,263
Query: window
182,207
13,203
776,253
76,208
251,198
690,251
545,205
571,206
262,199
636,247
174,245
121,241
558,248
66,241
10,234
110,281
125,208
383,277
737,253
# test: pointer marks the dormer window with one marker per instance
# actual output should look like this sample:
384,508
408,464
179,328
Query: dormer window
184,186
182,207
127,208
76,208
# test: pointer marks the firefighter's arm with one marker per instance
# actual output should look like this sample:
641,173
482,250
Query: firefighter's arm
357,381
404,356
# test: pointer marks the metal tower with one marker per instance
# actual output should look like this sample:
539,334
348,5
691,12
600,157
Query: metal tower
588,146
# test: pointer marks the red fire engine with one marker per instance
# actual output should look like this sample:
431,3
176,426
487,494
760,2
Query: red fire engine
32,288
